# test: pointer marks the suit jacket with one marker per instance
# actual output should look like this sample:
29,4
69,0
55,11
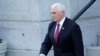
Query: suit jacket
69,41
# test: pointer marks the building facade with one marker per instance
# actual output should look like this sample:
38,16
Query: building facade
24,23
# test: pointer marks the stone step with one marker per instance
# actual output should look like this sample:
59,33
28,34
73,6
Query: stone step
93,51
3,48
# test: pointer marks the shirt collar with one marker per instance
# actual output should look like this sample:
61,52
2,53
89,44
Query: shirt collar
62,21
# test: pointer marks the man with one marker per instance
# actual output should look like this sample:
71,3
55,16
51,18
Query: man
63,34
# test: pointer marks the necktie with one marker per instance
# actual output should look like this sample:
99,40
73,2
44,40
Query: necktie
56,33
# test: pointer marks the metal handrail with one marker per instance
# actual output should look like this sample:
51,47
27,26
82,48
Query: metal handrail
83,10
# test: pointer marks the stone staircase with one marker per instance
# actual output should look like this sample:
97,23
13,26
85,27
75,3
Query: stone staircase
3,47
94,50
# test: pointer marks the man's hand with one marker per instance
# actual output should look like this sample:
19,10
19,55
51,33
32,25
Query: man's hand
41,55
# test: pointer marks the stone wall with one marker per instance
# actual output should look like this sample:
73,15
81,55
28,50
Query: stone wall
24,23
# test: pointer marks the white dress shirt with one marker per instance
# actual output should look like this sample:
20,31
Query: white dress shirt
61,23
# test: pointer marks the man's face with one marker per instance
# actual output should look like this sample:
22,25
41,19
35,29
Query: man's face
56,14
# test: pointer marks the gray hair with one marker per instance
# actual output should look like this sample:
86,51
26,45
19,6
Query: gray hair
59,6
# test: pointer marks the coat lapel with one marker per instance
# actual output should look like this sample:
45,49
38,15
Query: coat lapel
52,33
63,30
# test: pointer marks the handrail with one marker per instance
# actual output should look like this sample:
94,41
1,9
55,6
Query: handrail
83,10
